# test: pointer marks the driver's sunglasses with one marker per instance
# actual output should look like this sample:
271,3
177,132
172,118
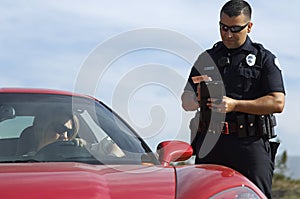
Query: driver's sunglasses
233,29
61,128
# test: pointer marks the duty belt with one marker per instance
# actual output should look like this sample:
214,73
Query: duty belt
246,125
224,127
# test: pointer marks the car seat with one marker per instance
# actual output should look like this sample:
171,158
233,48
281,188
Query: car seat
27,141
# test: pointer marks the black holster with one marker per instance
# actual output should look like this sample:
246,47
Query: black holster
266,124
274,146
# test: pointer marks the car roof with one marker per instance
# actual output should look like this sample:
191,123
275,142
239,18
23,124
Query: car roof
44,91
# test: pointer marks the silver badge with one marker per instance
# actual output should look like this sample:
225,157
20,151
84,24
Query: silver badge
250,59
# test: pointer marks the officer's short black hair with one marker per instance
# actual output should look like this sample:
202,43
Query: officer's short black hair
234,8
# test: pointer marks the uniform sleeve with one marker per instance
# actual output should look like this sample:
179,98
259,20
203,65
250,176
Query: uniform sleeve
204,61
190,86
272,76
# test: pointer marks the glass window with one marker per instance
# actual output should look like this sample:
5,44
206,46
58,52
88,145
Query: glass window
12,128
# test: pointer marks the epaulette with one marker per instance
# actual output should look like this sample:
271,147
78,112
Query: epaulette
258,45
260,54
216,47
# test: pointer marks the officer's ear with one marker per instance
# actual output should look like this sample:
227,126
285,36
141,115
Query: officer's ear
249,27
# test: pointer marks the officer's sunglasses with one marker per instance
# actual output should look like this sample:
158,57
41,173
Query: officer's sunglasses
233,29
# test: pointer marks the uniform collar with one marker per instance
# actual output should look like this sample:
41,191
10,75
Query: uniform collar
247,46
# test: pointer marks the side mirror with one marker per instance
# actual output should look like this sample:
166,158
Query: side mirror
172,151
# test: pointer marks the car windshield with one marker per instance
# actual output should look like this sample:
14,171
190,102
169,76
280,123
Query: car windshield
63,128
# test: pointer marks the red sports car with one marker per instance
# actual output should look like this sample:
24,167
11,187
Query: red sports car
56,144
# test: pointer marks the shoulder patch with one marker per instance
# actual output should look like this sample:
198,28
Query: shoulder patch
276,62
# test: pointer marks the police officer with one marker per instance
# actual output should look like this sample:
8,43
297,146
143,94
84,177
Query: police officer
254,90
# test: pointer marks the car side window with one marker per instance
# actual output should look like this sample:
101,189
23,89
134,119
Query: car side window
12,128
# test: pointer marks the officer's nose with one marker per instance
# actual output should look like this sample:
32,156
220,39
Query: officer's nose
229,34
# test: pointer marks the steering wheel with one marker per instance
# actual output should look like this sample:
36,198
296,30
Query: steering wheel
61,151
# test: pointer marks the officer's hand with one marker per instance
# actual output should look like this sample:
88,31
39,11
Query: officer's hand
224,105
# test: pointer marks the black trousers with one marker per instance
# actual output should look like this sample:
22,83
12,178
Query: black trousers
251,156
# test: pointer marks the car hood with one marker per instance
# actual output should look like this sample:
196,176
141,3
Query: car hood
77,180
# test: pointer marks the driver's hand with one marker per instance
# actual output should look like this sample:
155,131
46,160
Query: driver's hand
111,148
79,142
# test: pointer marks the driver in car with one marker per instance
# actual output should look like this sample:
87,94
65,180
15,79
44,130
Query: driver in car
57,125
60,125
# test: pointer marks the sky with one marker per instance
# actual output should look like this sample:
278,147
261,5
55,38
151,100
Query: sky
136,55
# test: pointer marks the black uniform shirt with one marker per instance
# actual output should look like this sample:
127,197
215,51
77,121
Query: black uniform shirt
248,72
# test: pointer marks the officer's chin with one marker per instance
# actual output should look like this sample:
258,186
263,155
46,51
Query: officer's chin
230,44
